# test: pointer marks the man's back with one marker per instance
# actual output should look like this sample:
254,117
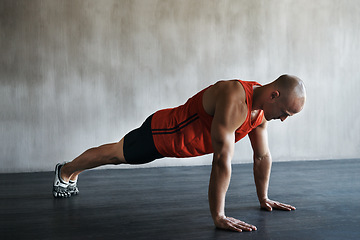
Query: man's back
185,131
232,89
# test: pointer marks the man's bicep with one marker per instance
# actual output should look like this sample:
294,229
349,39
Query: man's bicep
259,141
230,113
222,138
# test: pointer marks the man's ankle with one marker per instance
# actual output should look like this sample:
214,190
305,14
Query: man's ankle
63,173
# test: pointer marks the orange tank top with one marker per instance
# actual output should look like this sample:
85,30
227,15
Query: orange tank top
184,131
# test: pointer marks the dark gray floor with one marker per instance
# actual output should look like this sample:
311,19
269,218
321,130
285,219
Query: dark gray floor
171,203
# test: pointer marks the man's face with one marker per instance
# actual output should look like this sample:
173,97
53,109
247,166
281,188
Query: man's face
282,109
276,110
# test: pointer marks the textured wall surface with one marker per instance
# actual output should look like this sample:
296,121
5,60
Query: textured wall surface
77,74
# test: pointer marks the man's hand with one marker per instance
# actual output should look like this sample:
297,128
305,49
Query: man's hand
269,205
229,223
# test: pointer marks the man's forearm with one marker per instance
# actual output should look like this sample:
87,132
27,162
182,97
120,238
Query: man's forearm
262,169
218,186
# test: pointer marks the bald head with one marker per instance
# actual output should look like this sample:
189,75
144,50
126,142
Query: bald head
290,85
292,91
281,98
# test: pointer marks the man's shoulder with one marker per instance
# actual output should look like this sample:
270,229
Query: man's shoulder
233,91
225,93
232,96
230,87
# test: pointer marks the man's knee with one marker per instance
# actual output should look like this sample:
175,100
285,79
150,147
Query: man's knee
115,153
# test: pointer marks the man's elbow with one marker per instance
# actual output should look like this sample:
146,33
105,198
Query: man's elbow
222,161
259,158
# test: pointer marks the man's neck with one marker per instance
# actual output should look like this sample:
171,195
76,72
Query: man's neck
257,102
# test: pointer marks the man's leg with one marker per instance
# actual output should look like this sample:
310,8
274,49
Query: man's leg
139,149
94,157
66,174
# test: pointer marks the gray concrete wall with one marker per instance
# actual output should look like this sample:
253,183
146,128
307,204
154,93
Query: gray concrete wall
77,74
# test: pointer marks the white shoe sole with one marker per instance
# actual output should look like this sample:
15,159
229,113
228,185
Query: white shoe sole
60,187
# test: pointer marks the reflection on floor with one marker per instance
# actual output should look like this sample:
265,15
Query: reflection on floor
171,203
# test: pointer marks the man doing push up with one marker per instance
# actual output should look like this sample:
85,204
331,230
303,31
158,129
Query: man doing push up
209,122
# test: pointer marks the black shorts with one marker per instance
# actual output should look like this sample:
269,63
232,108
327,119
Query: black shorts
139,145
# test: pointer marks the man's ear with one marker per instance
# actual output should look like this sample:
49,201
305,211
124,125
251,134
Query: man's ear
274,95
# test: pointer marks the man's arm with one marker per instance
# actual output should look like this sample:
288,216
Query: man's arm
229,114
262,168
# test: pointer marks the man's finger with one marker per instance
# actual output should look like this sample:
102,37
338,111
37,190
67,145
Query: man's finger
289,207
292,207
284,206
231,226
246,226
241,224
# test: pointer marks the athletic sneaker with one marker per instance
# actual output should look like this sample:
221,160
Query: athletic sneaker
61,188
